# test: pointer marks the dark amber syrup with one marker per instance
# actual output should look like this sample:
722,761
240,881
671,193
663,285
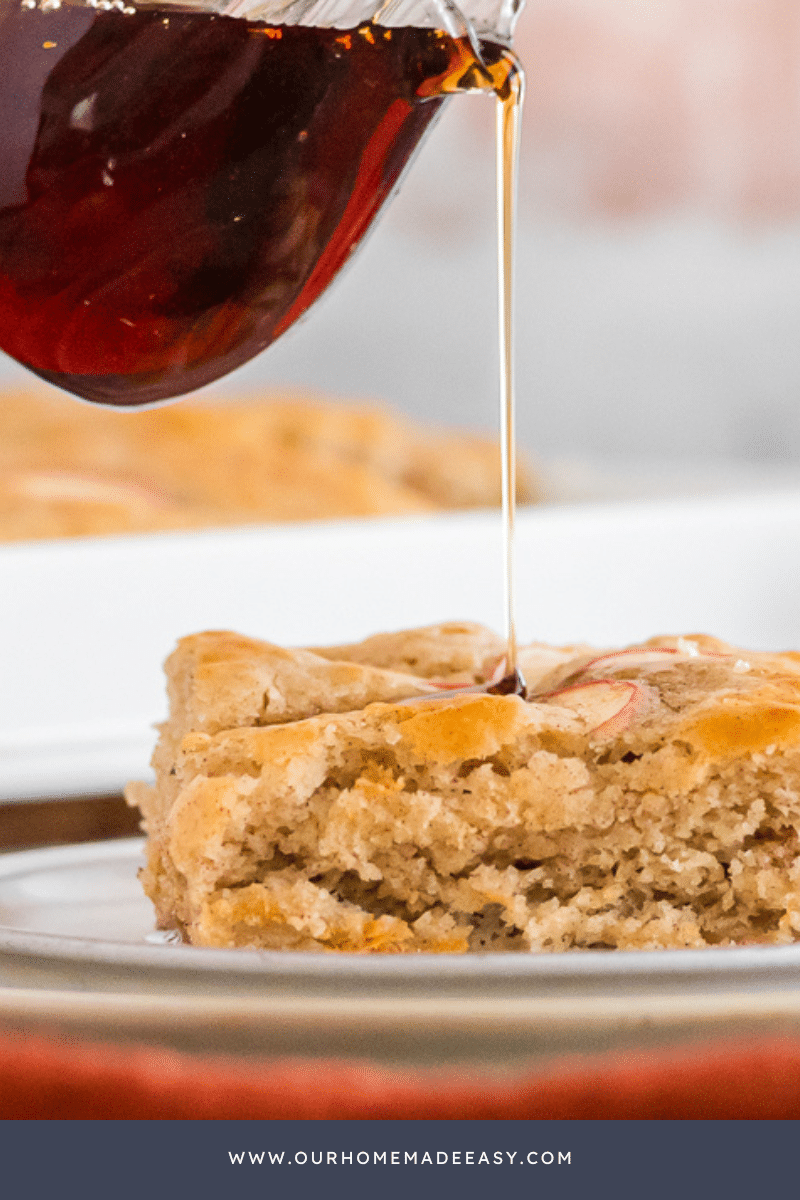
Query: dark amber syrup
179,187
509,111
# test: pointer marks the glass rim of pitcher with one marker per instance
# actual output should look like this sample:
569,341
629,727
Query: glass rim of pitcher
484,18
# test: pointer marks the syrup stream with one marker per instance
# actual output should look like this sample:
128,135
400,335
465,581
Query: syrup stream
472,71
509,111
474,68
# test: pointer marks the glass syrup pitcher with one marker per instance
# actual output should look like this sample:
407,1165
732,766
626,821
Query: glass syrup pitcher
180,182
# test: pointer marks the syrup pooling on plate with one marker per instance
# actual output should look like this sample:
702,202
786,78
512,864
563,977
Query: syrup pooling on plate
177,188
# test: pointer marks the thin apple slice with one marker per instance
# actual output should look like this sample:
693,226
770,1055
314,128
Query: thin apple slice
645,656
75,487
608,706
635,656
444,685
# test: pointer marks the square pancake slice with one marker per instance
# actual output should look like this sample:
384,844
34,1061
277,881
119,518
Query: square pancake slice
359,798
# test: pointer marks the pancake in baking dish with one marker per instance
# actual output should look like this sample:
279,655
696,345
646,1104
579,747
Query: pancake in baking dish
639,798
68,469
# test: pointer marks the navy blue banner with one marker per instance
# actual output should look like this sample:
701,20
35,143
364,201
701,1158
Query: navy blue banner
196,1160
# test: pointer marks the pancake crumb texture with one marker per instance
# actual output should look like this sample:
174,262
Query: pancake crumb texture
638,799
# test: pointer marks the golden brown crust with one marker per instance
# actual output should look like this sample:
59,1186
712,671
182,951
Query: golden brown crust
640,798
69,469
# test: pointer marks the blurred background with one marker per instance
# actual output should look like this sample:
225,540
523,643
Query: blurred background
658,264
